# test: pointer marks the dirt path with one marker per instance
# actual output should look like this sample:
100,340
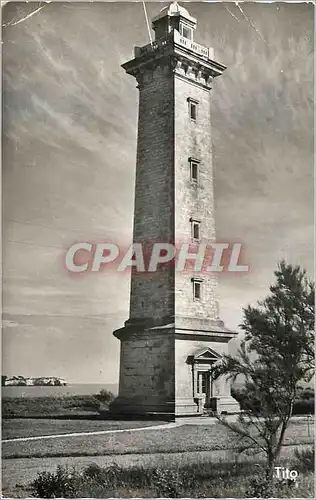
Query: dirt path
94,433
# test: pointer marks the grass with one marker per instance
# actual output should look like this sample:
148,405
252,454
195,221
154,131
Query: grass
179,439
17,473
185,446
210,479
55,406
17,428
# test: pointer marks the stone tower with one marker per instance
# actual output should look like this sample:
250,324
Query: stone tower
173,334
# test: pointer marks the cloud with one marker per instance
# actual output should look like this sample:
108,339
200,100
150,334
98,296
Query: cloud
70,127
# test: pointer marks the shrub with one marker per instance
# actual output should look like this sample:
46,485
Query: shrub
171,482
259,487
110,477
61,484
166,482
101,481
303,406
307,393
305,459
94,471
105,397
49,406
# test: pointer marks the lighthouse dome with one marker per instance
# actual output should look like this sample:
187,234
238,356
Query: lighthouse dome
174,9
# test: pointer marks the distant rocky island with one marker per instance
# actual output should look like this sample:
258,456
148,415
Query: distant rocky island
19,380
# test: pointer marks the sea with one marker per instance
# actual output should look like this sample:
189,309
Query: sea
55,390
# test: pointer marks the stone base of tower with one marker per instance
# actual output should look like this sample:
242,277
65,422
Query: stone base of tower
134,408
165,372
124,408
128,408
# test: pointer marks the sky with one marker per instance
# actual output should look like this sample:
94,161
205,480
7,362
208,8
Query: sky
69,157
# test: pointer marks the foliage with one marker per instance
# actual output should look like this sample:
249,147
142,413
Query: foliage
61,484
167,483
105,397
305,460
276,355
304,407
304,403
307,393
260,487
210,479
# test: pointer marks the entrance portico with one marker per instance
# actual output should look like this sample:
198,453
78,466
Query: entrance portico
205,388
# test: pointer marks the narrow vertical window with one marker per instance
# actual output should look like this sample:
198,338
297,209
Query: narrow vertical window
193,111
193,108
194,170
195,229
197,288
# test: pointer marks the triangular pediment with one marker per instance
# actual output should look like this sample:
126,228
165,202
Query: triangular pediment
206,353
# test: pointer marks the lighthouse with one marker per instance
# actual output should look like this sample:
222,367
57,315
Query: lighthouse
174,333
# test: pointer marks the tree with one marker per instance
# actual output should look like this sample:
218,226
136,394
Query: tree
276,355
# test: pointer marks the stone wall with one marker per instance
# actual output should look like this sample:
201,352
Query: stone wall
152,296
147,371
193,139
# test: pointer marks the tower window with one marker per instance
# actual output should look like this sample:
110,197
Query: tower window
197,288
193,108
195,229
194,170
193,112
186,31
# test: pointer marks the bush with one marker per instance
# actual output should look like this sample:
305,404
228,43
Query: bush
305,460
49,406
101,481
105,397
110,477
172,482
166,482
307,393
303,405
94,481
61,484
260,487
